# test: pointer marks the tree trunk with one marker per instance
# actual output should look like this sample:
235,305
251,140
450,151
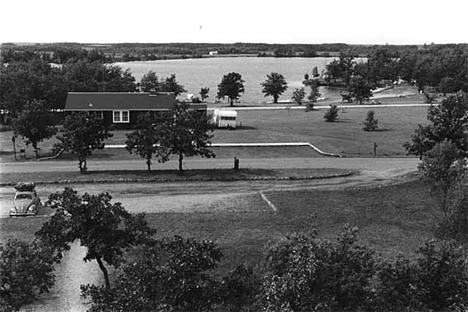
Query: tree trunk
104,271
35,150
181,157
232,101
148,163
275,99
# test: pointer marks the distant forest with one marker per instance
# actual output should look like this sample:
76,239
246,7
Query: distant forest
122,52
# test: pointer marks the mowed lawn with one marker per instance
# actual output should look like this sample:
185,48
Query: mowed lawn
392,219
345,136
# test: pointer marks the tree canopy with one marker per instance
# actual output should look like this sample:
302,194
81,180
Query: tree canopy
26,272
185,132
35,123
145,141
274,86
231,86
106,229
448,121
82,133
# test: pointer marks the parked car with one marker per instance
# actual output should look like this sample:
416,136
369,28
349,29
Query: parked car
26,201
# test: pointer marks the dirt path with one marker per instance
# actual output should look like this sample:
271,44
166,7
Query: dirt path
208,196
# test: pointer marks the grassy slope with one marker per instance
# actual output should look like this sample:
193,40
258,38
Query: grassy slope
392,219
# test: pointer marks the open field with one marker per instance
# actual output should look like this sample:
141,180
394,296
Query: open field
345,136
392,219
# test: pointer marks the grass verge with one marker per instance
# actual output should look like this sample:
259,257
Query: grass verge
128,176
392,219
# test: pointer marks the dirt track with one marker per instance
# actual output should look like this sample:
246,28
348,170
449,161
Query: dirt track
207,196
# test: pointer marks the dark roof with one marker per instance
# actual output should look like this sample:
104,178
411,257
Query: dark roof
100,101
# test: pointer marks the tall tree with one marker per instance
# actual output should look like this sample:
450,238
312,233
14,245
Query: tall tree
34,123
82,134
36,80
274,86
360,89
149,82
231,86
170,84
204,93
106,229
449,121
145,141
184,133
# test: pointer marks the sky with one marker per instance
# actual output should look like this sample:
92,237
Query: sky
210,21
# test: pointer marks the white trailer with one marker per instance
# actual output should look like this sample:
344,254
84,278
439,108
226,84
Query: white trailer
225,118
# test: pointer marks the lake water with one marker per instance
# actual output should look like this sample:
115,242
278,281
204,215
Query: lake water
195,74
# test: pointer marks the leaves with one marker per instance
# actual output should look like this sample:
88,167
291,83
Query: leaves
105,228
83,133
274,86
231,86
26,271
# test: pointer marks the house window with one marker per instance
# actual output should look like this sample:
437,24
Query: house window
121,116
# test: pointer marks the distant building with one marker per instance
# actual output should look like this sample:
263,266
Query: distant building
213,53
121,109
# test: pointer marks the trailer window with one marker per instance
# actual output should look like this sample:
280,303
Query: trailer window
227,118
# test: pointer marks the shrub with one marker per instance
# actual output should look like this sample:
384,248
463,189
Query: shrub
370,124
304,273
331,114
298,95
436,281
26,271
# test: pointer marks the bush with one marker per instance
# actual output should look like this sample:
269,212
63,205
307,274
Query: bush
298,95
437,280
331,114
370,124
304,273
26,271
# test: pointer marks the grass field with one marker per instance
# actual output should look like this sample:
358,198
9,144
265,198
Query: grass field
262,126
392,219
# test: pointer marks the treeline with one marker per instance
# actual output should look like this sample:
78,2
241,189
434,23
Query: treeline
62,52
442,69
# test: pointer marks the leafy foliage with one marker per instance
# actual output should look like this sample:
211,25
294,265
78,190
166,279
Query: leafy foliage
145,141
184,132
360,89
34,123
370,124
436,281
298,95
449,121
331,114
443,170
274,86
304,273
172,275
204,93
26,271
82,133
231,86
106,229
170,84
149,82
86,76
26,82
